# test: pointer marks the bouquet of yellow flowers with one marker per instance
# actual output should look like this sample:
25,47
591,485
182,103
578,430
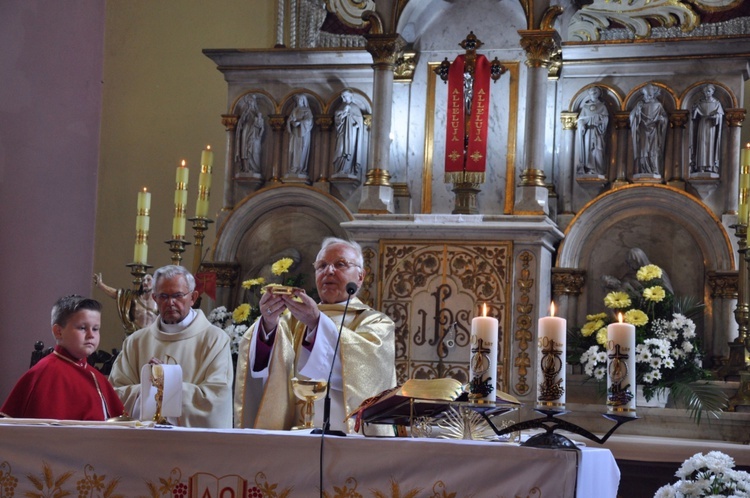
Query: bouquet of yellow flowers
668,354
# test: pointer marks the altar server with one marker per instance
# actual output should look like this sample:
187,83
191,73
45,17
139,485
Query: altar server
63,385
295,336
183,336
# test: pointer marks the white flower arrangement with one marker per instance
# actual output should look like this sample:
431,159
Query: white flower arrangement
222,318
709,475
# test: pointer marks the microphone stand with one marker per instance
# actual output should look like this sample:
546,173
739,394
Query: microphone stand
351,289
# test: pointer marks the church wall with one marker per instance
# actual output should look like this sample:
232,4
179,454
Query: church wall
50,103
163,101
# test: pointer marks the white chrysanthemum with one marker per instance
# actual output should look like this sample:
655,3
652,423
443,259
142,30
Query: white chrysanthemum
600,373
648,377
588,369
601,357
687,346
668,363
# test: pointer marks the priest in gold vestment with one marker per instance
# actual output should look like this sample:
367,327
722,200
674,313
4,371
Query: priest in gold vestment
297,337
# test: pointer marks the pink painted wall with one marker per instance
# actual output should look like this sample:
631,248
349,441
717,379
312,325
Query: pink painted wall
50,107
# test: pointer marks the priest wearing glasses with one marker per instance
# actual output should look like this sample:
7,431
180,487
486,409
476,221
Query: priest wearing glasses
184,336
296,337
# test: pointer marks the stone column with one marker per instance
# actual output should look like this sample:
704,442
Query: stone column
622,146
724,288
674,171
539,46
377,194
230,124
567,284
567,159
730,178
277,126
323,166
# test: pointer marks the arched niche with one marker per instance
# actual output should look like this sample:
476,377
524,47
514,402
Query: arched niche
676,231
279,221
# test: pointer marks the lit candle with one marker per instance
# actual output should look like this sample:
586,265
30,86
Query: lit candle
621,368
743,209
551,364
483,360
143,206
204,183
180,201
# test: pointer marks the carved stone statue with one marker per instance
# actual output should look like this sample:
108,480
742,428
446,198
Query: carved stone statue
349,129
648,128
249,136
136,308
593,119
299,127
706,117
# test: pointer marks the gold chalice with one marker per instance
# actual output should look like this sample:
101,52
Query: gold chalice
309,391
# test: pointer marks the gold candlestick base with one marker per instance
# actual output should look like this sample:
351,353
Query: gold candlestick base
177,247
138,270
200,225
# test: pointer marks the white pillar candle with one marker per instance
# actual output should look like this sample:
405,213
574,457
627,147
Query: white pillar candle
621,368
483,360
551,361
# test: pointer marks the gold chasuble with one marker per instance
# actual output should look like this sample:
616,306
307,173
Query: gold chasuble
366,353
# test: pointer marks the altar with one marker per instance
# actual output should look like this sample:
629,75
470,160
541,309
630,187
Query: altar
131,461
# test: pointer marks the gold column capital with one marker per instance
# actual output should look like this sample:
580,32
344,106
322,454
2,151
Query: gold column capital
735,117
540,46
568,281
723,284
324,122
569,120
385,49
229,121
622,120
276,121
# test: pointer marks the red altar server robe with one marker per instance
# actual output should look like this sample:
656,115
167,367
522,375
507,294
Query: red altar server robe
63,388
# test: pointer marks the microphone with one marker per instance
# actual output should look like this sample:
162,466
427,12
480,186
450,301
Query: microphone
351,289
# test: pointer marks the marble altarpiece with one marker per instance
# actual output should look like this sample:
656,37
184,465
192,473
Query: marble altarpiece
558,208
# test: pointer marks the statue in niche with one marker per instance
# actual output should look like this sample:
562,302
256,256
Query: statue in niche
706,119
349,129
592,134
249,136
299,127
648,128
137,309
635,259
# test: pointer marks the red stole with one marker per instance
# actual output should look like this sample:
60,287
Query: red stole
467,166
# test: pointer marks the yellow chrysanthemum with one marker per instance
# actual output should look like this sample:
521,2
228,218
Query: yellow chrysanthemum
617,300
247,284
241,313
282,266
601,336
591,327
636,317
598,316
655,294
648,272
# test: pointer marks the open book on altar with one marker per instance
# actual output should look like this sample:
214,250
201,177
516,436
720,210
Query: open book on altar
423,398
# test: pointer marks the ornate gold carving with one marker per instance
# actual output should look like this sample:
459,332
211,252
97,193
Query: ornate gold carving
384,49
378,177
432,290
735,117
276,121
367,120
678,119
522,333
622,120
406,63
366,291
227,272
723,284
569,120
568,281
539,45
229,121
324,122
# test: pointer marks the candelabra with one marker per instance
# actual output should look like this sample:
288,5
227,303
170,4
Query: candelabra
737,348
200,225
177,247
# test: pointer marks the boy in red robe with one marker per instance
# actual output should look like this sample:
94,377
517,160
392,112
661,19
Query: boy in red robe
63,385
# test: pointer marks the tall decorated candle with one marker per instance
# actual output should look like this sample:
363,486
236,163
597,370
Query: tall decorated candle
180,201
621,368
204,183
483,360
743,208
143,206
551,361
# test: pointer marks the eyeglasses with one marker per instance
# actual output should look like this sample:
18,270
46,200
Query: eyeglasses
338,265
166,297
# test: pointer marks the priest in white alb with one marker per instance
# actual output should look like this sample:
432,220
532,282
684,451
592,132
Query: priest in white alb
296,337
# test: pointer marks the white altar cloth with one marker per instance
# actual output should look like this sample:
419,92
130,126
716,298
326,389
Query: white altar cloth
178,462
